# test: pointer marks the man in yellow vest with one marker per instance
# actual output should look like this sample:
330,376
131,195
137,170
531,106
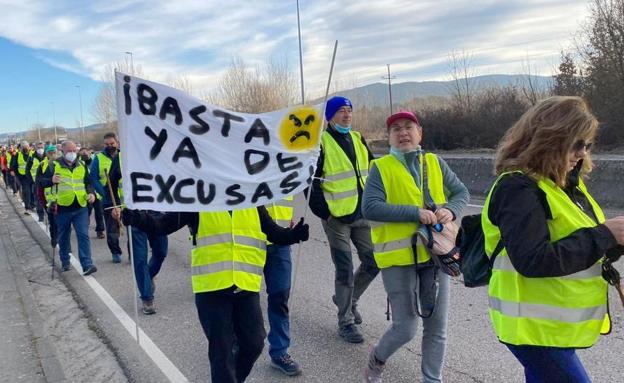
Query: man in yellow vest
101,165
227,260
45,196
72,194
277,274
31,170
18,170
336,199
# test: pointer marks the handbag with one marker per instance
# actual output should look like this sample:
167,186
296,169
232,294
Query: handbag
439,239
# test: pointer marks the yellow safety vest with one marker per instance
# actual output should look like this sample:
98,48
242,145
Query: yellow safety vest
282,211
72,185
33,168
21,163
230,250
340,179
49,196
568,311
104,165
393,241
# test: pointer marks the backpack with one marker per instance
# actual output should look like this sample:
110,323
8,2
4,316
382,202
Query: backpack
475,265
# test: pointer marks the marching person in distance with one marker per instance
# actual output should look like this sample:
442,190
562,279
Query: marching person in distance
11,152
145,271
335,198
73,193
101,164
31,170
4,164
45,196
228,256
396,199
18,170
84,155
546,294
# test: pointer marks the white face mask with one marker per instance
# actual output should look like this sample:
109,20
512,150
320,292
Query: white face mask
70,157
39,151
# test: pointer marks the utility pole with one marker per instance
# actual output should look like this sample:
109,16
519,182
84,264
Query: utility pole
38,126
84,143
131,63
389,78
54,123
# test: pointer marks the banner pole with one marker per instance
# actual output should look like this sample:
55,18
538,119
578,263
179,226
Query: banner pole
305,211
136,304
300,56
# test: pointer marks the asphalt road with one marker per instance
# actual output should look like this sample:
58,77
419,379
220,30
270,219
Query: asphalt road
473,353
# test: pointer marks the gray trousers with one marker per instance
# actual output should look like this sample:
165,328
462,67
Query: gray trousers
403,283
349,287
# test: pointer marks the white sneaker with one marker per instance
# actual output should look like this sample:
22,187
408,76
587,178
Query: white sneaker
374,368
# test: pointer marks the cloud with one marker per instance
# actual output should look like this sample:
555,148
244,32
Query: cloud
199,38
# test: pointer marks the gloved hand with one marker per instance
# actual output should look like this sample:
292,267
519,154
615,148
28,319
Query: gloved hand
129,217
301,231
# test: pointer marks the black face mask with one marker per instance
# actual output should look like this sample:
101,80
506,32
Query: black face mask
85,157
111,150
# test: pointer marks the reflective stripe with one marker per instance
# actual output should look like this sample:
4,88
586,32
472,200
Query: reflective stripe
283,222
504,263
364,172
227,265
213,239
392,245
532,310
340,176
341,195
250,241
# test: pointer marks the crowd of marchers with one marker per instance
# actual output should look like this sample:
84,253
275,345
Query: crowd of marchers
546,235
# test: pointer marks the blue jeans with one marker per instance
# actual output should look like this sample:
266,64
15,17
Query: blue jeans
277,271
144,270
80,220
550,364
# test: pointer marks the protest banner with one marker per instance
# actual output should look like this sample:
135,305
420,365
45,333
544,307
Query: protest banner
181,154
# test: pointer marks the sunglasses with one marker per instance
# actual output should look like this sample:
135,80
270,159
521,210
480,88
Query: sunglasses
582,145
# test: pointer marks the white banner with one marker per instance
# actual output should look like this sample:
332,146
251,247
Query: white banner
181,154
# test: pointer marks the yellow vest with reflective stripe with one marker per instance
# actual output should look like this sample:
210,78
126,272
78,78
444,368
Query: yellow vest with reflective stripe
71,186
49,196
340,179
9,156
568,311
104,164
282,211
230,250
33,168
392,241
21,163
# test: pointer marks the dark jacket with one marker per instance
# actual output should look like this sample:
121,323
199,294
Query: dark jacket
318,205
520,210
31,160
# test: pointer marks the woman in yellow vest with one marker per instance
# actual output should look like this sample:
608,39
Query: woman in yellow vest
227,260
546,294
405,189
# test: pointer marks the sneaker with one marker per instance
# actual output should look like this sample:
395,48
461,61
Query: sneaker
351,334
116,258
287,365
100,235
65,268
357,317
90,270
374,368
148,307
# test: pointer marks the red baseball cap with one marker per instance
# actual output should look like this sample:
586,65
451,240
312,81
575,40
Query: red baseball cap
402,114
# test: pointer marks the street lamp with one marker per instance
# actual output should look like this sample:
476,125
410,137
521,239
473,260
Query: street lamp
54,123
131,63
81,121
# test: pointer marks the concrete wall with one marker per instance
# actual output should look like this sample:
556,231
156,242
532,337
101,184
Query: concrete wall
606,182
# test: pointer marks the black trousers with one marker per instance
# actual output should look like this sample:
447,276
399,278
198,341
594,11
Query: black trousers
224,316
112,232
24,184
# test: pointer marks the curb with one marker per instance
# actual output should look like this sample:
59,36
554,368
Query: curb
50,363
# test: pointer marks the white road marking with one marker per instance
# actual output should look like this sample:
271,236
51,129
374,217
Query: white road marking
158,357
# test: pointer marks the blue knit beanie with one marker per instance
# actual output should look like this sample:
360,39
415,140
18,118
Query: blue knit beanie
335,103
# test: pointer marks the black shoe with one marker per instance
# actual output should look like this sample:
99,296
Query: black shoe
90,270
351,334
287,365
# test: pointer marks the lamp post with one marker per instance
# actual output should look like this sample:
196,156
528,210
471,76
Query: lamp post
131,63
81,120
54,123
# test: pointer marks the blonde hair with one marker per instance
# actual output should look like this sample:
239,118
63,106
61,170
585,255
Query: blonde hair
539,143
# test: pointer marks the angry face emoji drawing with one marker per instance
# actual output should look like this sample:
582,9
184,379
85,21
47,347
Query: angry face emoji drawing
299,129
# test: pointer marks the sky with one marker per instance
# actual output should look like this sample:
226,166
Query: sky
54,54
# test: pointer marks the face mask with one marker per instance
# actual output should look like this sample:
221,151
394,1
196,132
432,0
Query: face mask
111,150
84,157
70,157
39,151
342,129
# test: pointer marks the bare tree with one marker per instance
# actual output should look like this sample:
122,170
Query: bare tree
461,76
531,90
